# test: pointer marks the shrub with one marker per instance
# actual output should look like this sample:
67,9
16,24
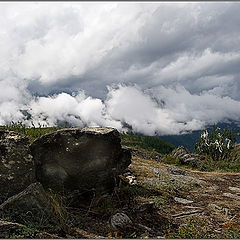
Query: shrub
217,144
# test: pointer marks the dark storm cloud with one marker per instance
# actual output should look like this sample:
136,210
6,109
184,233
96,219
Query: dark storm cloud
162,68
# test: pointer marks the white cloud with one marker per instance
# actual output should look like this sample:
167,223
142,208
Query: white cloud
185,54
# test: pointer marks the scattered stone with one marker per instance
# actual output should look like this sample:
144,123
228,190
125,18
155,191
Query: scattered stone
153,182
215,207
85,159
182,200
146,155
214,187
132,180
120,221
128,173
187,214
158,173
6,228
177,171
193,207
231,195
219,179
130,177
144,207
226,211
234,189
16,164
148,229
188,179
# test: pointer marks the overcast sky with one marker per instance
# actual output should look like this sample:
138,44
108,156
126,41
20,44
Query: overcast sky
158,68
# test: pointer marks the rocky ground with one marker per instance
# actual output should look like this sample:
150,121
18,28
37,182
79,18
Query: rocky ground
152,200
201,204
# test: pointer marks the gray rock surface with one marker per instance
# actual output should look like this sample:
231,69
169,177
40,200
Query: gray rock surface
234,189
16,164
120,221
216,208
177,171
230,195
214,187
33,204
182,200
185,156
33,197
84,159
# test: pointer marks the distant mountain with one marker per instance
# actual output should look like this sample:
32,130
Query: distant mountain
189,140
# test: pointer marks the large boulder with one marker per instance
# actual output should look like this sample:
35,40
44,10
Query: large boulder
16,164
80,159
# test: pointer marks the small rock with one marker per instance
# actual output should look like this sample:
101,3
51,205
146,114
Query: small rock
128,173
158,173
153,182
193,207
120,221
130,177
214,206
144,207
187,214
182,200
219,179
214,187
188,179
234,189
132,180
177,171
231,195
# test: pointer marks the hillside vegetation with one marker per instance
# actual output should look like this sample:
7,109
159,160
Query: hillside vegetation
147,143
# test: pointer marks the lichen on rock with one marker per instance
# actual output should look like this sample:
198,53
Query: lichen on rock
16,164
82,159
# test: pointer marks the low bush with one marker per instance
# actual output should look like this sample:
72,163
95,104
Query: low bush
217,144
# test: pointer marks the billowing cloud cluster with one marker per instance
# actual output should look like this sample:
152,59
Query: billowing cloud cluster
157,68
